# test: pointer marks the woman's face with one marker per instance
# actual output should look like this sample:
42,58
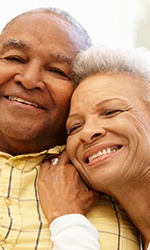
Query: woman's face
108,131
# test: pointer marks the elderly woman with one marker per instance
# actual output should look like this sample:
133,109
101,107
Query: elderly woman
108,135
109,128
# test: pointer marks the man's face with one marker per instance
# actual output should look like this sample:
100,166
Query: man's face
109,133
36,51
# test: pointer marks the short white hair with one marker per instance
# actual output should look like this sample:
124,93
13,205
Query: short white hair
114,60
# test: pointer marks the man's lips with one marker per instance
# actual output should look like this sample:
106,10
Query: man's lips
102,152
20,100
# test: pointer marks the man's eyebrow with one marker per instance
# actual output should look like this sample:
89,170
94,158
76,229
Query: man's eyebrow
59,56
14,43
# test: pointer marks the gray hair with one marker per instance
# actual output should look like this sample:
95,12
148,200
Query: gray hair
120,60
83,35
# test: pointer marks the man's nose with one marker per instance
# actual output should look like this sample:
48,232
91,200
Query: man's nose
30,77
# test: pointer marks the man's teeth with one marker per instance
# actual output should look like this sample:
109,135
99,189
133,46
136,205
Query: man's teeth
103,152
23,101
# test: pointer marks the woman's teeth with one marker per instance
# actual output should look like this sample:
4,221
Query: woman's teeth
103,152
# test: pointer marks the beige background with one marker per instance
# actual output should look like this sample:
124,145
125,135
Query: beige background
115,22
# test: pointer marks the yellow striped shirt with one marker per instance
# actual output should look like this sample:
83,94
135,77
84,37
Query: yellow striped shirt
22,223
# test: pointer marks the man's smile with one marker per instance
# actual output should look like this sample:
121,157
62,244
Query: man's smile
17,99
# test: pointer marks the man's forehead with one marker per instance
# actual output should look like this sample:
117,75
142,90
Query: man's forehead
37,16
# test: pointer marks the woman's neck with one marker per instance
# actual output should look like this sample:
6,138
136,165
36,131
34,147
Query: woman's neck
136,202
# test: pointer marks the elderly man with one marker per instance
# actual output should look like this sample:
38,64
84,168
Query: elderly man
36,51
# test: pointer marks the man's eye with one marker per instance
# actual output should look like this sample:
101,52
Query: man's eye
58,72
15,59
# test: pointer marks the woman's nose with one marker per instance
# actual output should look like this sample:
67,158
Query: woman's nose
90,133
30,77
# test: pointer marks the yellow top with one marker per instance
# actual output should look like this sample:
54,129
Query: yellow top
23,225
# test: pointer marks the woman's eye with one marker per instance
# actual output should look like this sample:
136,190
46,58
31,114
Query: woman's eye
73,130
112,112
